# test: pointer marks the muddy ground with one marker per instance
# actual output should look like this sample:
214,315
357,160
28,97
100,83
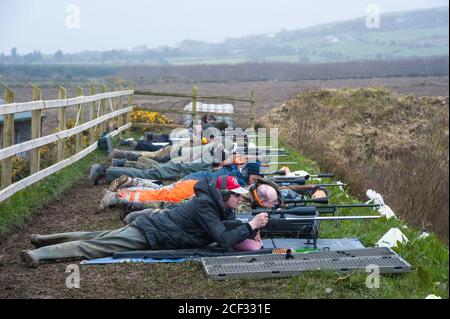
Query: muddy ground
74,211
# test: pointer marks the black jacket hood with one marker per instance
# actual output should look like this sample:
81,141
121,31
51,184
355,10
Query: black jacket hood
208,187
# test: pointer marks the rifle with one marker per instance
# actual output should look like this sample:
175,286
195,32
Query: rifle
277,163
261,154
306,187
329,209
299,222
331,206
306,177
259,148
294,179
307,211
322,200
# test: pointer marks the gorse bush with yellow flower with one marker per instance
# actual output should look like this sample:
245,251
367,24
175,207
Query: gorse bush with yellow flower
21,165
20,168
141,116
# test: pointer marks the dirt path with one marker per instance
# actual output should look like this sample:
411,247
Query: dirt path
74,212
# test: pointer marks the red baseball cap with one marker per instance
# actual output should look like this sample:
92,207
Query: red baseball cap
230,183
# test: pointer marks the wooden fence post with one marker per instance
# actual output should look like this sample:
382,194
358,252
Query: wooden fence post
36,131
92,115
79,145
130,101
102,125
194,105
112,105
8,139
62,112
119,107
252,110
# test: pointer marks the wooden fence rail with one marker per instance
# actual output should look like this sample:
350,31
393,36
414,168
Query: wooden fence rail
12,108
58,137
97,123
195,96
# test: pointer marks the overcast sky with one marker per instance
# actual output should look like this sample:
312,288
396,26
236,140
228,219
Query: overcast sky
49,25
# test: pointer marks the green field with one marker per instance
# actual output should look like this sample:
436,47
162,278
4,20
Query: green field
413,35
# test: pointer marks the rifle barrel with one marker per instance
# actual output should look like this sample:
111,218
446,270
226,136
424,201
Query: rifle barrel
263,155
334,218
350,206
323,175
278,163
308,186
323,200
261,149
332,206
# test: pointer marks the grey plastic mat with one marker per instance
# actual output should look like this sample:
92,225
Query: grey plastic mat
273,265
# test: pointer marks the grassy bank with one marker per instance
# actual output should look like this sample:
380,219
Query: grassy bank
429,256
375,138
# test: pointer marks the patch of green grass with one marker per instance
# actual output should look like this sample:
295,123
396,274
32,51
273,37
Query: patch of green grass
429,256
283,58
15,211
409,35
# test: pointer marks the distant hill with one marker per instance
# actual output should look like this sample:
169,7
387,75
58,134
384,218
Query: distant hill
409,34
415,33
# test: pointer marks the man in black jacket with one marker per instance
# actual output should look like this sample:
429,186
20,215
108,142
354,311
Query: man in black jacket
206,219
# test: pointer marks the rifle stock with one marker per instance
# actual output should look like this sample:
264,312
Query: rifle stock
332,206
323,175
321,200
283,176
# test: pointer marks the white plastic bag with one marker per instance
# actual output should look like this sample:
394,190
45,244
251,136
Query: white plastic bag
392,238
340,187
376,198
424,235
387,211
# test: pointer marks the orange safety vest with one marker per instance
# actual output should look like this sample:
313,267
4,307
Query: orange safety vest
173,193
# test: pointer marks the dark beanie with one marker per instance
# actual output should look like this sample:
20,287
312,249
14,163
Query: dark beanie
253,168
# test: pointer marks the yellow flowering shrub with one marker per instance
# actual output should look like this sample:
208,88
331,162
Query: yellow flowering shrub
20,168
141,116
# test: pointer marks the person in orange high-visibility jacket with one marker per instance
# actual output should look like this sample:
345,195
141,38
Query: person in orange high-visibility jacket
173,193
148,194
